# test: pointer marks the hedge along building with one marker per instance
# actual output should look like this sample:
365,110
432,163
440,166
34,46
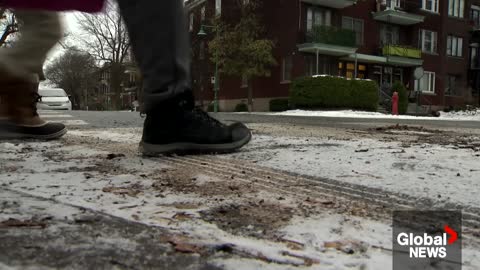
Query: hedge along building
382,40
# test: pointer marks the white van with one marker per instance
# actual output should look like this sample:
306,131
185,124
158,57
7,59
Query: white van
54,99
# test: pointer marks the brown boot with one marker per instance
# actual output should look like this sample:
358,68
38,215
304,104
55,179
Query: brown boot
21,99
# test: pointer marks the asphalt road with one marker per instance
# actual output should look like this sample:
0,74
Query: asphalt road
95,120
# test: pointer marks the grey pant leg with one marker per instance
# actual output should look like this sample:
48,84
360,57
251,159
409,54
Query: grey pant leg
39,32
160,43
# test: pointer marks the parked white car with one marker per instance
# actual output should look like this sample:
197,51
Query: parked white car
54,99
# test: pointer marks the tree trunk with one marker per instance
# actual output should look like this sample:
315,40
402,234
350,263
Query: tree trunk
250,95
116,76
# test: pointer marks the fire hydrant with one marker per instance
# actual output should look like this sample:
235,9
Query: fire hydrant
395,103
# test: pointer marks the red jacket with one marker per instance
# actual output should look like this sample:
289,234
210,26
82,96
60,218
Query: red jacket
55,5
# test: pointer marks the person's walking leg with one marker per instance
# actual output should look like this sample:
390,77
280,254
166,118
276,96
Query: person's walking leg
20,67
159,38
160,44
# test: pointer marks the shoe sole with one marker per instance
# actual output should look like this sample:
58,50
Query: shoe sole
152,150
5,135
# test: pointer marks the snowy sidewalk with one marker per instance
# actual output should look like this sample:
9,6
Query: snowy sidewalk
252,216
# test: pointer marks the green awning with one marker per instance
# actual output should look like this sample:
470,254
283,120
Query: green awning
404,61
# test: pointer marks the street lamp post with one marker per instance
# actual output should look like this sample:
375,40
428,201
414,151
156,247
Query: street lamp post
216,86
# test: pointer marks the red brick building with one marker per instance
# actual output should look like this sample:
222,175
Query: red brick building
381,40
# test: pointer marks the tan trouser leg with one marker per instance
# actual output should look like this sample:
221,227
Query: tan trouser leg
22,64
39,32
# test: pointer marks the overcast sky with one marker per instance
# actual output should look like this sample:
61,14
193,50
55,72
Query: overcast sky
70,26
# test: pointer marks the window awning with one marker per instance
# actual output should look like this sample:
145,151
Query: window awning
366,58
326,49
404,61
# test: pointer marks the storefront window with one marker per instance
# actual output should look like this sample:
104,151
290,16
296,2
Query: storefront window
348,70
398,75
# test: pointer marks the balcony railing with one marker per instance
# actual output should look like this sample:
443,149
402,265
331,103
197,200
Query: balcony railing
331,35
402,51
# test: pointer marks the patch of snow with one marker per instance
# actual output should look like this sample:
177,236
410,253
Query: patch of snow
462,115
71,122
410,132
10,147
108,135
374,115
202,179
440,173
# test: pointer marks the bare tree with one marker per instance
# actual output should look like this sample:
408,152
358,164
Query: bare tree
74,71
8,25
107,40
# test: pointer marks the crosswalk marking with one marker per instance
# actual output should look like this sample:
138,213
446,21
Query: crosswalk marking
61,117
50,112
56,116
72,122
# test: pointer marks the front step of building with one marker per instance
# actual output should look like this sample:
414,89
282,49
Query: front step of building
382,109
413,109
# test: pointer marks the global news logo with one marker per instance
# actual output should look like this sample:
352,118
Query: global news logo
428,246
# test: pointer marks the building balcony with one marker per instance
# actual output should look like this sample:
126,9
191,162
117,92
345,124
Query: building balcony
331,3
398,12
403,56
328,40
402,51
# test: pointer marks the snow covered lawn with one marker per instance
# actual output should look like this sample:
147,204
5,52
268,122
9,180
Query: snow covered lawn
459,116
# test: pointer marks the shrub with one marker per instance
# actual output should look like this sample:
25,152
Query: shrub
402,97
241,107
334,92
279,105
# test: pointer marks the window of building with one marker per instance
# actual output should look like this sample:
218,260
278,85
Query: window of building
456,8
392,4
201,54
389,34
192,16
454,46
362,69
287,69
310,66
475,15
377,74
428,41
451,86
202,13
355,25
398,75
318,17
474,58
430,5
132,77
325,65
426,83
218,7
348,70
